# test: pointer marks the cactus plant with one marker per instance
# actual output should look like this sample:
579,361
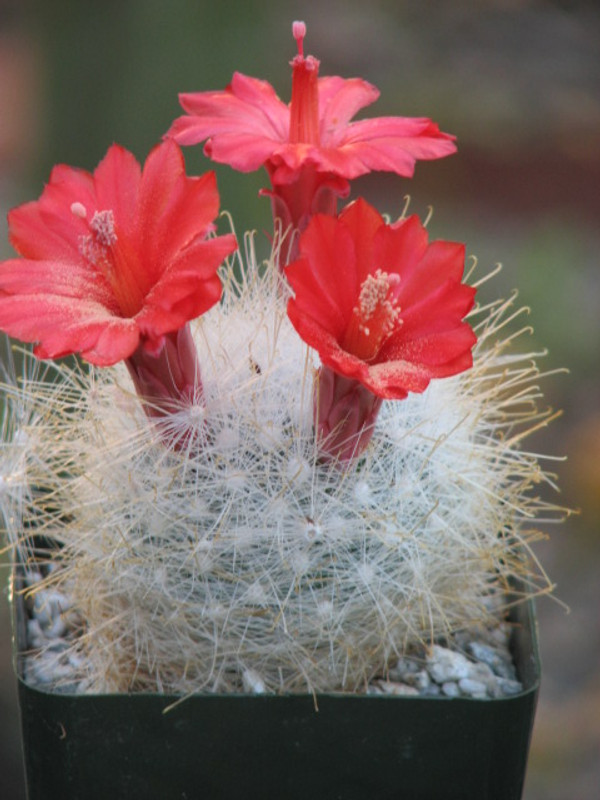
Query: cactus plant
249,500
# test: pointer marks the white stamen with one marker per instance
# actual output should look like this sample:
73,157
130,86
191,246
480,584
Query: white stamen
374,292
103,225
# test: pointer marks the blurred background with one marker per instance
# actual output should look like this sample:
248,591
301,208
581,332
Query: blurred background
518,81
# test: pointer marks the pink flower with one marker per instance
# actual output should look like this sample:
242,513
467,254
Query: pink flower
310,147
113,266
382,307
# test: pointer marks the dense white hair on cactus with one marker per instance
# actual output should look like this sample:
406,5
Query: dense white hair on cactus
239,560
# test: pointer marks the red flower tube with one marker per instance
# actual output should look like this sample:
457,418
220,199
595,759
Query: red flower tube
384,308
114,264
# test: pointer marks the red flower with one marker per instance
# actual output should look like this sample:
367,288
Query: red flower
379,303
114,260
384,309
309,148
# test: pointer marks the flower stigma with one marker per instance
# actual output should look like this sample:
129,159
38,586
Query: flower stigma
79,210
299,32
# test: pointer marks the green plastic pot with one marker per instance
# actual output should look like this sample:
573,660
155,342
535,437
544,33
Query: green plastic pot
108,747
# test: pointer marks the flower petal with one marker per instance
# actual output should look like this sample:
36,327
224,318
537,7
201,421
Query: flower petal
400,248
65,325
389,144
247,104
26,276
162,181
441,261
117,181
363,222
438,349
46,228
242,151
339,100
245,123
395,379
189,288
324,279
438,311
163,168
259,94
192,205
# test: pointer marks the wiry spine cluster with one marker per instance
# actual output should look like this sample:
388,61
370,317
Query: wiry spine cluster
238,560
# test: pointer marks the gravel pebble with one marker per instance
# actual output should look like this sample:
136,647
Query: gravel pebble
404,668
422,680
508,687
472,687
445,665
393,687
494,658
253,683
450,689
